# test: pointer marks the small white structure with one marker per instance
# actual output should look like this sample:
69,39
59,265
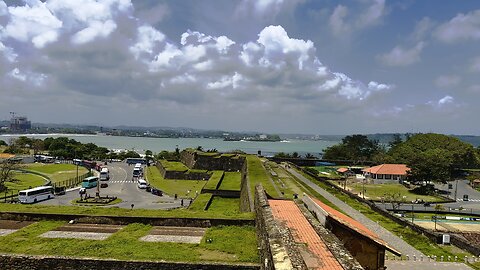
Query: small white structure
387,173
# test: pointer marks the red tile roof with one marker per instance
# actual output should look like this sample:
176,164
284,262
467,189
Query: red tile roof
342,170
5,155
353,224
396,169
303,232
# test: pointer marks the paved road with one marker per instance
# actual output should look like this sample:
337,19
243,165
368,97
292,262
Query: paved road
122,186
425,265
386,235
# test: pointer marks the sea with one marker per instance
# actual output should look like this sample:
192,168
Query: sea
156,145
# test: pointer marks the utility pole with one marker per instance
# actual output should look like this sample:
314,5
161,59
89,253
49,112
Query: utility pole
413,214
456,184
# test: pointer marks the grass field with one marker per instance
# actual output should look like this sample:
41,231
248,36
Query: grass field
257,174
212,183
377,191
226,206
57,172
231,181
230,243
171,187
25,181
200,202
173,165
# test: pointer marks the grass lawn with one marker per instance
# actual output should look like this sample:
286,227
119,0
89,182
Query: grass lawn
212,183
171,186
227,206
257,174
284,181
200,202
420,242
25,181
231,181
377,191
57,172
230,243
173,165
115,211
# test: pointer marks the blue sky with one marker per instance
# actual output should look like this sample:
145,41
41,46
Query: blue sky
289,66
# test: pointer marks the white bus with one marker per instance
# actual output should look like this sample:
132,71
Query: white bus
37,194
104,174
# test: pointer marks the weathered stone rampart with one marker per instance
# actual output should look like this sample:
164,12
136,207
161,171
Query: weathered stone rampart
124,220
212,161
24,262
276,246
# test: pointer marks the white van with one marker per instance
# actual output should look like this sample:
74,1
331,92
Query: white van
141,183
104,174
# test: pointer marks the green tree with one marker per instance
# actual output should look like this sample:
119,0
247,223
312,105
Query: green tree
7,172
3,143
355,147
434,157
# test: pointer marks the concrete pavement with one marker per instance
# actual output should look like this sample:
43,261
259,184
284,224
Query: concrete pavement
122,185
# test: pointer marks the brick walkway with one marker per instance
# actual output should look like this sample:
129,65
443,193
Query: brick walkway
303,232
393,240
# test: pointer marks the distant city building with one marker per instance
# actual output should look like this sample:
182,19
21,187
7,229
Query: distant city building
20,123
263,136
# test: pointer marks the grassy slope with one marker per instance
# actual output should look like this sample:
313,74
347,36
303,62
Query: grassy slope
173,165
200,202
231,181
230,243
257,174
227,206
214,179
57,172
171,187
25,181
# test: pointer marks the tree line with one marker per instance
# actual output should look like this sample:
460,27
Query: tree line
63,148
430,157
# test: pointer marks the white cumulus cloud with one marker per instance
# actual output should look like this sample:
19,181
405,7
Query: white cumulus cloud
34,23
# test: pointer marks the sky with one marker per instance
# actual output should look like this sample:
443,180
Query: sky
277,66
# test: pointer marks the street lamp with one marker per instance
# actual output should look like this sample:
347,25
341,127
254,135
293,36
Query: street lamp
456,184
363,188
413,214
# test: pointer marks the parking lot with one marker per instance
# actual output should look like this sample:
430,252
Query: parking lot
124,186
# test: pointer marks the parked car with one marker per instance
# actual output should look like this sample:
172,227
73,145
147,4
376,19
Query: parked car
157,192
142,184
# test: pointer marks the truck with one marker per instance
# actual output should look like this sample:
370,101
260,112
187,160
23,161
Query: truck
104,174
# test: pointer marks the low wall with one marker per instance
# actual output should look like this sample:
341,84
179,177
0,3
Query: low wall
433,236
119,220
24,262
223,193
246,202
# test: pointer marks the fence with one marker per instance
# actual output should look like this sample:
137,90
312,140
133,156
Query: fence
9,196
72,182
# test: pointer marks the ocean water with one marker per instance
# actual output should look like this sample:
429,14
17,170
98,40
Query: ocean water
140,144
